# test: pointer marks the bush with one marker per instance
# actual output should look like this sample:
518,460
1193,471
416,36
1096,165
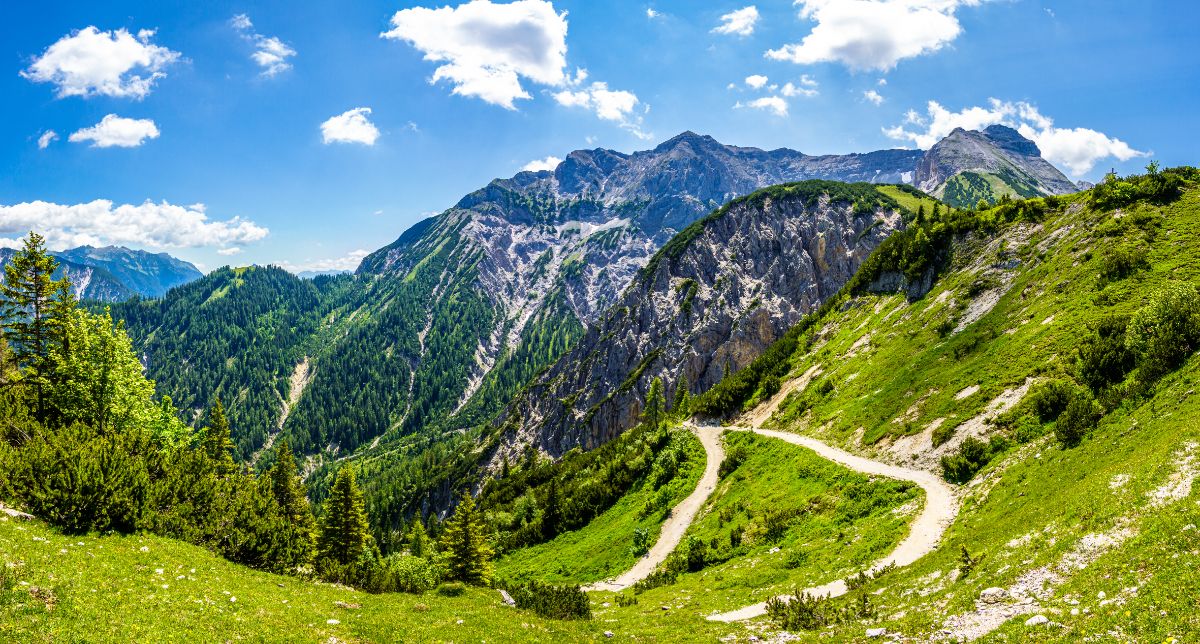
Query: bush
641,542
1049,398
943,433
554,602
408,574
1103,359
808,612
972,455
1165,332
451,589
664,576
1121,262
795,559
81,480
733,460
1078,420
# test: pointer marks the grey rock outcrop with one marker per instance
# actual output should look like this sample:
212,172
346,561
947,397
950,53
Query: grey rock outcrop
697,313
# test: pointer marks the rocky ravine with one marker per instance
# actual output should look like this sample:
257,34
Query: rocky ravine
702,309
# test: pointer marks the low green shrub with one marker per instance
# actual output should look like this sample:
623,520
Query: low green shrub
808,612
972,455
554,602
1077,420
451,589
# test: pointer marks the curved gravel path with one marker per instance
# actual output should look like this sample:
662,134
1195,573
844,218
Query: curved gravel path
926,532
681,515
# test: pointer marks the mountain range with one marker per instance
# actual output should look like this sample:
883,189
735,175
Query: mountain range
116,273
435,333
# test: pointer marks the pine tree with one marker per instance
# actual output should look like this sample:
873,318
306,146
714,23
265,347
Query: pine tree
921,214
683,398
217,444
289,493
345,536
33,313
418,540
552,512
469,555
653,413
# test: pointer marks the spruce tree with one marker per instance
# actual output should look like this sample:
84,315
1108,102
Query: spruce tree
33,315
683,398
551,511
217,444
418,540
469,556
289,493
345,536
652,415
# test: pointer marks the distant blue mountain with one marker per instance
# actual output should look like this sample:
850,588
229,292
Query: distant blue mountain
115,273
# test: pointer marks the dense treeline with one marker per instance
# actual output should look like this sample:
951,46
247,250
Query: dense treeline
87,447
406,359
237,334
536,499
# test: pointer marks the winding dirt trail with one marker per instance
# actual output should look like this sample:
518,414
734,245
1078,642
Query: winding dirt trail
925,533
681,515
941,506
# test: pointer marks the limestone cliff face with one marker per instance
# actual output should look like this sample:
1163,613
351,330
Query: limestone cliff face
576,237
707,304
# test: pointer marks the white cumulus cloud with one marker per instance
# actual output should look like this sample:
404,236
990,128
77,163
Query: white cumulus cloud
806,86
537,165
351,126
485,49
1078,149
270,53
232,250
47,137
651,13
757,81
738,23
343,264
618,106
873,34
873,96
91,62
117,131
102,223
773,104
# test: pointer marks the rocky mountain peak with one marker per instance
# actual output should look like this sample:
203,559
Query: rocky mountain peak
1009,139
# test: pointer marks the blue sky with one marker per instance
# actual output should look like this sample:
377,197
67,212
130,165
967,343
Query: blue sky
227,112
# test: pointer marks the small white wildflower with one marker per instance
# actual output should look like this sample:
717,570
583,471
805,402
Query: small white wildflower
144,549
158,571
332,622
166,586
233,599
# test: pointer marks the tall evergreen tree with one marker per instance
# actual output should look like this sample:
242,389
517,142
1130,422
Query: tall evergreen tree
33,313
217,443
289,493
552,511
345,536
418,540
653,412
465,543
683,398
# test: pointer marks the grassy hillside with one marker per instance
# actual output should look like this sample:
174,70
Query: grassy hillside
783,518
606,546
1098,537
